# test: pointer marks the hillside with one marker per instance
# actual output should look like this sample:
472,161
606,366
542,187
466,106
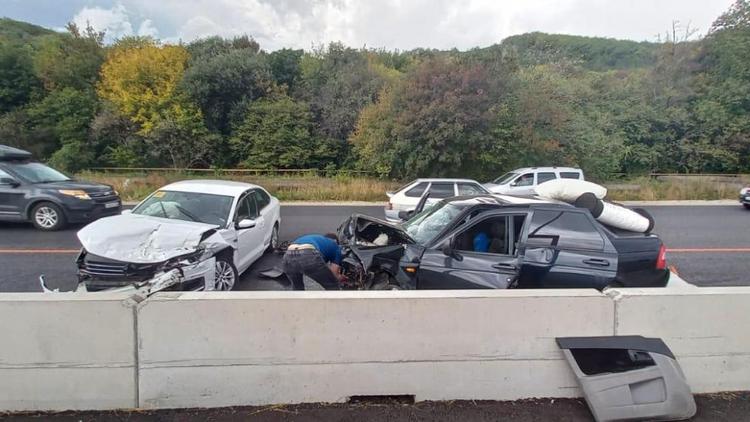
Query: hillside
15,31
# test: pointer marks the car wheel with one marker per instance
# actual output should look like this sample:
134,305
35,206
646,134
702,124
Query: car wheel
747,206
226,274
274,243
47,216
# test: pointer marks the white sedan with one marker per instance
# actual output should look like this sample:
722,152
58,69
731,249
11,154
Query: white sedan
209,231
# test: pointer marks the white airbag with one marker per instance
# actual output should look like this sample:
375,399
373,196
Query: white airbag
568,190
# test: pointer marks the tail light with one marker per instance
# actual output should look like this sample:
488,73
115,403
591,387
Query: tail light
661,260
388,205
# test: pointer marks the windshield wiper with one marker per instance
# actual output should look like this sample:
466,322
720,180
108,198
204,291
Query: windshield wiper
187,214
161,204
53,181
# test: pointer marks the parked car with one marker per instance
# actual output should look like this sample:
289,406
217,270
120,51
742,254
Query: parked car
745,197
403,201
33,192
498,241
522,181
210,230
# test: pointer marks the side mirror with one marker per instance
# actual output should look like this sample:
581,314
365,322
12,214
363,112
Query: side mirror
449,249
514,184
405,215
246,223
10,182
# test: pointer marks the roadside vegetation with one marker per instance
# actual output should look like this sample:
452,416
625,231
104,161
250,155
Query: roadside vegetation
296,187
134,187
674,105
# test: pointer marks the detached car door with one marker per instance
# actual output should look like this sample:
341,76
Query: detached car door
482,254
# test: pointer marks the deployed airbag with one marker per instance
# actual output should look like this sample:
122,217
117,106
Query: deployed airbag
615,215
568,190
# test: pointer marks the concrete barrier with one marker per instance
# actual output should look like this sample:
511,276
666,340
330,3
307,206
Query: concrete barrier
68,351
284,347
64,351
708,330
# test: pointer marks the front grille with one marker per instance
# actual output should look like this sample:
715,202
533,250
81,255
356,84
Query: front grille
105,269
100,194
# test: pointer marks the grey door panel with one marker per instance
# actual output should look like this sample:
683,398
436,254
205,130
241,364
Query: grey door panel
629,378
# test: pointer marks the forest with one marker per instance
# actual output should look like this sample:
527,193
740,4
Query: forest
678,104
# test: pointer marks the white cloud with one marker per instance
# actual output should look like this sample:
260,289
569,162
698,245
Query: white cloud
147,29
114,21
403,24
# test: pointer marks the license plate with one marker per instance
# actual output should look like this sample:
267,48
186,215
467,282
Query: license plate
112,204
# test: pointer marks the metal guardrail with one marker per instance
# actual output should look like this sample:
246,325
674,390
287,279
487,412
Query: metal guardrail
238,171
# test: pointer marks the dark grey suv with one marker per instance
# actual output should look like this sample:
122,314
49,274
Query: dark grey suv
31,191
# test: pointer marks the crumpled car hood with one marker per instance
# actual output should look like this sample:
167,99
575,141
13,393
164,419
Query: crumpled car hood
142,239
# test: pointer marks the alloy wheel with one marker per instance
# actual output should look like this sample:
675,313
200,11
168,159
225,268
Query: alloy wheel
225,276
46,217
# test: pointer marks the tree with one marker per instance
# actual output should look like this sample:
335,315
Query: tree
437,122
285,66
276,133
140,78
17,80
220,83
70,60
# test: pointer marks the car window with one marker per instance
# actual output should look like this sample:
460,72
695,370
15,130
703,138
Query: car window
417,190
525,180
187,206
4,175
247,208
570,175
38,173
261,198
495,235
563,229
470,189
506,178
545,176
442,190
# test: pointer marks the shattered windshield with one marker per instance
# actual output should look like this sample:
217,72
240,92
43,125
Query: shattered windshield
507,177
430,222
187,206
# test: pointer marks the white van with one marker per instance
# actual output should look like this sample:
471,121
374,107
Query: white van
522,181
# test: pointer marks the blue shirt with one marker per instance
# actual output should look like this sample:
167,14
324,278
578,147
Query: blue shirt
328,248
481,242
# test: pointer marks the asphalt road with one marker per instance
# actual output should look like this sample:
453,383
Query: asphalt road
708,245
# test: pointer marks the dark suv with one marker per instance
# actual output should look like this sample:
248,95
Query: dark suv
31,191
499,242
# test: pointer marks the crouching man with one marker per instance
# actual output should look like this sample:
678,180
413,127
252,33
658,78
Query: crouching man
316,256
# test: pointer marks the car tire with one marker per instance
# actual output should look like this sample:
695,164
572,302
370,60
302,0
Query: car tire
273,244
226,276
47,216
747,206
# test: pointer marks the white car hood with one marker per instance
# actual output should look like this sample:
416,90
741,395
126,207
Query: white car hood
143,239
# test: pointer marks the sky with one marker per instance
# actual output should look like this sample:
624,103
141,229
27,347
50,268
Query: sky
390,24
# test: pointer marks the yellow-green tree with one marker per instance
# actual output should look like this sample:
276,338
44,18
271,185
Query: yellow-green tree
140,78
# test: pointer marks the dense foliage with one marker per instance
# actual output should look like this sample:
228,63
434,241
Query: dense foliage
608,106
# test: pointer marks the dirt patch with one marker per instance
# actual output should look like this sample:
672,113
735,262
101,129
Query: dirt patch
733,407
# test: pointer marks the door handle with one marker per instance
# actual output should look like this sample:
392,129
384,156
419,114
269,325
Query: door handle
503,266
597,261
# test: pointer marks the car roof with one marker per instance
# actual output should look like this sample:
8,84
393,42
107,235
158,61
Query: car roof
526,169
507,200
445,179
215,187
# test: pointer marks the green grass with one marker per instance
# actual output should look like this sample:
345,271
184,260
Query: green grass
134,187
675,189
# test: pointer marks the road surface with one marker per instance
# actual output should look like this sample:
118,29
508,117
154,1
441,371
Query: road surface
708,245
